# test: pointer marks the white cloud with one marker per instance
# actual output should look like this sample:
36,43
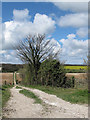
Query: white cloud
0,35
82,32
43,23
56,45
20,27
77,19
73,6
71,36
2,51
21,15
74,49
74,20
9,56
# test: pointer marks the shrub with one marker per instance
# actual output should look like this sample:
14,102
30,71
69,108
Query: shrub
51,73
25,75
70,83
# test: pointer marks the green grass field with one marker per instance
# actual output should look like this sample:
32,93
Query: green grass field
76,67
79,96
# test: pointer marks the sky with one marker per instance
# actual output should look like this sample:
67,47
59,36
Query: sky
65,24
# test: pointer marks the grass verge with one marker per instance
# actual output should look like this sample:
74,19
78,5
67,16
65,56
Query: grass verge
5,94
31,95
79,96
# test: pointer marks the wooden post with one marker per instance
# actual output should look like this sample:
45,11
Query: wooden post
15,78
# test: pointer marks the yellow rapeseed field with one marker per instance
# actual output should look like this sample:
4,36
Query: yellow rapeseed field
76,67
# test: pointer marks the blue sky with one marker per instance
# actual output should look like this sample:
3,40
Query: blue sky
37,7
34,7
65,24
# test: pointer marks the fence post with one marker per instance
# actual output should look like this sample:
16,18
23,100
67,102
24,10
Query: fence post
14,78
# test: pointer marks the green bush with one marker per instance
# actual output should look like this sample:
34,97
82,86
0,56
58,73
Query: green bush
25,75
51,73
70,83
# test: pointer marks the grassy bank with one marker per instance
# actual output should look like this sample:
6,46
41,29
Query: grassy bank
5,94
30,95
79,96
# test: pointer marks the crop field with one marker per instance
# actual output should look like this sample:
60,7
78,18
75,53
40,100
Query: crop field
76,67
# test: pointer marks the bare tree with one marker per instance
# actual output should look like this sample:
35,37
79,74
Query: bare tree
34,50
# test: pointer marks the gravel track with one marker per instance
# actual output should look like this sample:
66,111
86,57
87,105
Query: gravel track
20,106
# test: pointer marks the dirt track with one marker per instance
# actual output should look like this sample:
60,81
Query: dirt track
19,106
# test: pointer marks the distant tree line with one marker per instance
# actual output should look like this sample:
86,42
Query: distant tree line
11,67
75,65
